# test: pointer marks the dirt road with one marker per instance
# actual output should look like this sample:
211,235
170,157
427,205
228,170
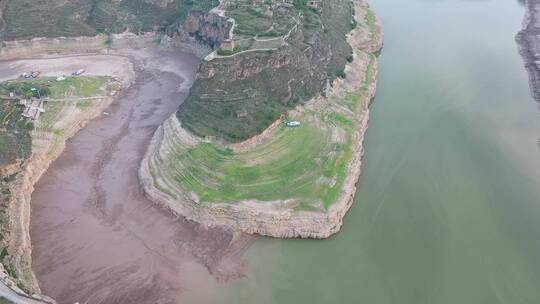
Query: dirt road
95,237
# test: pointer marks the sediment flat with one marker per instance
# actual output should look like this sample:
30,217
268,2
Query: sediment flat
95,237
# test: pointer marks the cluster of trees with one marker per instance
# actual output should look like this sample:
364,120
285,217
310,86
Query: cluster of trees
28,89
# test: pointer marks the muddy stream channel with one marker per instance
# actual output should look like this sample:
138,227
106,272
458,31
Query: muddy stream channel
96,237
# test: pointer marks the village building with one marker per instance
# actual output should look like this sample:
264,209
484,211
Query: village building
32,108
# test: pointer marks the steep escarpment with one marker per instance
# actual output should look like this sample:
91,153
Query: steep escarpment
279,56
529,46
201,32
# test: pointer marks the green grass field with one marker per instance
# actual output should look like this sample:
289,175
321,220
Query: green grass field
15,140
308,163
5,301
70,87
59,93
258,19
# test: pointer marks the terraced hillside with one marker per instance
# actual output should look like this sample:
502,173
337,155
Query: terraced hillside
286,182
284,53
26,19
307,164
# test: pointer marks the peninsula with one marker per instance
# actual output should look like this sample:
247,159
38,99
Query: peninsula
230,157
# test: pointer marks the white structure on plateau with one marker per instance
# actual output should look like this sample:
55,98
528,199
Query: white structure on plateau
33,108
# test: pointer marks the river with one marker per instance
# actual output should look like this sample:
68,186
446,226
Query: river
95,236
448,205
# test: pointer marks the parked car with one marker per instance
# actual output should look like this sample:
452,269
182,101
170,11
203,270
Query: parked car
30,75
292,124
78,72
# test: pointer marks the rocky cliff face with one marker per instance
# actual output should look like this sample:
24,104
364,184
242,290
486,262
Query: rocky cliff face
201,32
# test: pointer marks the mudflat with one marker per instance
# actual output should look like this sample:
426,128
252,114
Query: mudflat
96,238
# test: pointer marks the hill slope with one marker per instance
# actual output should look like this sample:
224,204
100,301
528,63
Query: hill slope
283,55
27,19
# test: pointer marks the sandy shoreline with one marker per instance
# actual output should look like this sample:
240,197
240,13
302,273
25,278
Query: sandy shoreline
267,218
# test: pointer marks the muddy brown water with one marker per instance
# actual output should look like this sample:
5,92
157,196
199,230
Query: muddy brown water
96,238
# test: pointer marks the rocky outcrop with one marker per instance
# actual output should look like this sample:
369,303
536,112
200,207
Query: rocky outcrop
10,169
200,33
528,41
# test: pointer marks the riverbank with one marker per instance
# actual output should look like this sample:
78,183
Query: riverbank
110,244
63,118
115,55
341,118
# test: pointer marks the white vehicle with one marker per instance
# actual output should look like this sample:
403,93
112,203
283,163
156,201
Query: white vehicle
78,72
292,124
60,78
30,75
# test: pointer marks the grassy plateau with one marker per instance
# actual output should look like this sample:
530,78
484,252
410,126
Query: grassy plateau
307,163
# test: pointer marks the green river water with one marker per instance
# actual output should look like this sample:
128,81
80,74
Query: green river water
448,206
